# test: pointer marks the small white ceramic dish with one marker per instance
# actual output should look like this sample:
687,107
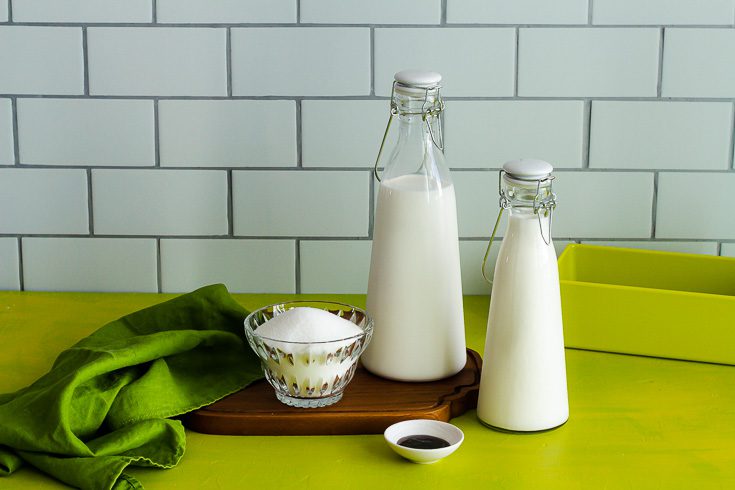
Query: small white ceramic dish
425,427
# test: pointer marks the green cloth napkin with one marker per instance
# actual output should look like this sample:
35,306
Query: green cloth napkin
104,404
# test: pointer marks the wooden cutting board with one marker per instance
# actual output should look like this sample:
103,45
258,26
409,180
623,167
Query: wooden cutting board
370,404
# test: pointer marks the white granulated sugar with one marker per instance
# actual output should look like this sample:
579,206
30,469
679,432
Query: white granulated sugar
305,324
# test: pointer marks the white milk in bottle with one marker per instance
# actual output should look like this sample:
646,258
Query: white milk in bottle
415,289
523,384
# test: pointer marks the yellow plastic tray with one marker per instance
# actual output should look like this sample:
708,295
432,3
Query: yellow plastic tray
661,304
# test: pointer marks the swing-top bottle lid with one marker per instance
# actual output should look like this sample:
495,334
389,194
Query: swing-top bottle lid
417,81
528,169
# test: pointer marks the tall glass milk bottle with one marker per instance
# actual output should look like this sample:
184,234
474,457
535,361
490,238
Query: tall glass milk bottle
415,289
523,385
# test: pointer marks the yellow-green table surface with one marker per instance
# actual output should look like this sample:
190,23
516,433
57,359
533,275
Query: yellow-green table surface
635,422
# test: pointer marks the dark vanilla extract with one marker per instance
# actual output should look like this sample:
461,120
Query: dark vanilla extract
422,442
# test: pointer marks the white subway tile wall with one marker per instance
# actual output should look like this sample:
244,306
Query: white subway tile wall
9,264
222,133
101,11
517,11
661,135
728,249
305,61
372,12
160,61
663,12
86,132
7,152
163,145
159,202
245,266
485,134
43,201
225,11
339,266
89,264
473,62
298,203
695,205
477,202
342,133
41,60
588,62
603,204
699,63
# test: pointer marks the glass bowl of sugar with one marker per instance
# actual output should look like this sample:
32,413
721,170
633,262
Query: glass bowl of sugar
309,349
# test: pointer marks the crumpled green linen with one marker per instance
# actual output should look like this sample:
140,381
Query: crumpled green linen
105,403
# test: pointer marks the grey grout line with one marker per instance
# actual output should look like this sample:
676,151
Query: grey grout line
612,240
209,97
90,202
21,282
654,205
517,63
297,266
732,139
159,268
587,134
372,62
302,25
59,235
719,249
298,11
668,26
228,61
443,15
299,138
464,238
230,206
449,98
154,11
16,136
589,11
366,169
660,74
156,136
637,170
85,60
10,11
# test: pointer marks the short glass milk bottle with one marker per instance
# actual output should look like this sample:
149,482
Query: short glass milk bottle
523,385
415,289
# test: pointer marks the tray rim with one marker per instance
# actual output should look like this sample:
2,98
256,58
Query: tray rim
569,251
446,407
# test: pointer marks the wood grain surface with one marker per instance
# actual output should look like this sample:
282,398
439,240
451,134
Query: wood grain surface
369,406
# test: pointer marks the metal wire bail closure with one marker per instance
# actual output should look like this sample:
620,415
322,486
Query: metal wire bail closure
428,110
547,205
503,203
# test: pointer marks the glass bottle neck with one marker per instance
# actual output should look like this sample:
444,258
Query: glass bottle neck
415,102
414,115
415,150
524,196
531,203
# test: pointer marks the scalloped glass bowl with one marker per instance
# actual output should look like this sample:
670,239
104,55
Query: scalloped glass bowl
309,374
